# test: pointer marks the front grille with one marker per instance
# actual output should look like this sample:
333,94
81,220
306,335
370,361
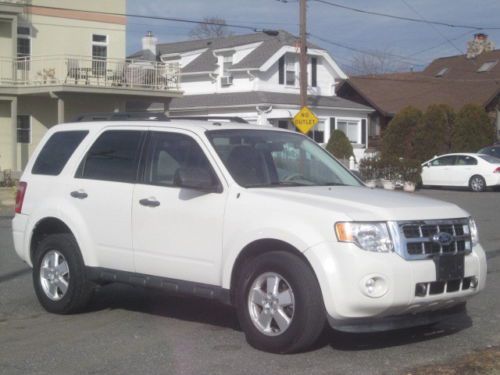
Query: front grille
417,239
440,287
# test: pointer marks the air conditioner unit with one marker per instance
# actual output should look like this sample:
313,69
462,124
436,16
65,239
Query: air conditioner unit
226,80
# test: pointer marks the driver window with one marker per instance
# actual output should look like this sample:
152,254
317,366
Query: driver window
442,161
169,152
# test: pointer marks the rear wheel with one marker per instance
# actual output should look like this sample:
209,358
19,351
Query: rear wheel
59,275
279,303
477,183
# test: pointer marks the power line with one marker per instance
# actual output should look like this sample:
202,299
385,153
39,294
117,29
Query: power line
170,19
433,27
478,28
406,60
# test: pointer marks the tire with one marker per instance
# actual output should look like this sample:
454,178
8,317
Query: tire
297,284
477,183
63,289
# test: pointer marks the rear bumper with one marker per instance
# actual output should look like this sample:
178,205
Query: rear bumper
19,224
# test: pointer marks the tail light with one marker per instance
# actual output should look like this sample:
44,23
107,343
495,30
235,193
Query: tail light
21,191
497,170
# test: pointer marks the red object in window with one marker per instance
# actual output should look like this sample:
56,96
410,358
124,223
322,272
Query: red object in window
21,191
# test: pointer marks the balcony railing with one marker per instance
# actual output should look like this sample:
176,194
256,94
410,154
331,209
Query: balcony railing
86,71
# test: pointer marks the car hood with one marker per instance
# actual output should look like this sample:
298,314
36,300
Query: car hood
364,204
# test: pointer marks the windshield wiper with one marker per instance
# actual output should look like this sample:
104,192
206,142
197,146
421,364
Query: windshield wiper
333,184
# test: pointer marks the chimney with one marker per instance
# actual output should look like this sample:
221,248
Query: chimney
149,42
478,45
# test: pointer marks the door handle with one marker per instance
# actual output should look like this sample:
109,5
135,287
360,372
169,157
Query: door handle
149,202
79,194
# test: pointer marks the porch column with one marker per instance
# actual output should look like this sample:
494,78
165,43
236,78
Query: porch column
13,123
60,110
14,37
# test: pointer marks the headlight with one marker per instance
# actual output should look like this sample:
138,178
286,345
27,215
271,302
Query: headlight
368,236
474,236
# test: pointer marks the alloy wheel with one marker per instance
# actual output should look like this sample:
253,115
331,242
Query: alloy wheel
271,304
54,275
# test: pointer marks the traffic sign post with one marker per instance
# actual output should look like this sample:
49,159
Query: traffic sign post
305,120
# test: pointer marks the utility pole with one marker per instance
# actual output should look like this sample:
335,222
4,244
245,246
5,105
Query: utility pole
303,54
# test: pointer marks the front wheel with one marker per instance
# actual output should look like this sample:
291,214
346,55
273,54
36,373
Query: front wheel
59,275
477,183
279,303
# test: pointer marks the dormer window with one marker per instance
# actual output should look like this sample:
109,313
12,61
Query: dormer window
487,66
227,63
442,72
286,68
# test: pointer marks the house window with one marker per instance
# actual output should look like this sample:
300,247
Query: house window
99,54
290,70
350,129
283,124
227,63
23,129
487,66
23,47
314,72
318,132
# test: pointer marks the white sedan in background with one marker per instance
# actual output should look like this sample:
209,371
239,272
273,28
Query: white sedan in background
477,171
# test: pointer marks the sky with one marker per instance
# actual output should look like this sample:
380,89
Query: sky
410,45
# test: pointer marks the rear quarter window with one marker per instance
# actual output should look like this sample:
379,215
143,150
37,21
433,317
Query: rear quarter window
57,151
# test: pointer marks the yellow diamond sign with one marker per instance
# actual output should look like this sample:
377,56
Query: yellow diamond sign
305,120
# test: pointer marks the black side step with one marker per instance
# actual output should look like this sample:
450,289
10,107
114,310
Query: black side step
171,286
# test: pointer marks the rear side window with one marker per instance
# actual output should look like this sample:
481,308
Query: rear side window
57,151
113,157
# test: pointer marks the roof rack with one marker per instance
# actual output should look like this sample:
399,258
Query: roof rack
211,118
121,116
150,116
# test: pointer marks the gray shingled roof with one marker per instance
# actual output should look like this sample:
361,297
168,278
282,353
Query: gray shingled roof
207,62
260,98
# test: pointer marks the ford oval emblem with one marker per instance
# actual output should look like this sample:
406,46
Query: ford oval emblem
442,238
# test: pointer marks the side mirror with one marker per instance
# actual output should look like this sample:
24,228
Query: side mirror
197,179
427,165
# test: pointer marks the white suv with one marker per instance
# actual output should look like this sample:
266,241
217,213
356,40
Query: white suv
259,218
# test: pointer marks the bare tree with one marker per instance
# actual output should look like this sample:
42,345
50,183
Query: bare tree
377,62
214,27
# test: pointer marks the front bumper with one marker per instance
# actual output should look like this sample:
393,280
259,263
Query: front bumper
343,269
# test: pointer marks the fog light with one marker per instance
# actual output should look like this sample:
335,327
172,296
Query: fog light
421,290
373,286
474,282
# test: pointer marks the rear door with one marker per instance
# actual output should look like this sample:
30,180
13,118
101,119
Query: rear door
465,167
177,232
102,193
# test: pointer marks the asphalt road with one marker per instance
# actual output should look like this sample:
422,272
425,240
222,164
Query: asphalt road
128,330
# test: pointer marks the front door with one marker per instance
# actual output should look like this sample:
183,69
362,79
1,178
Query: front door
177,232
439,171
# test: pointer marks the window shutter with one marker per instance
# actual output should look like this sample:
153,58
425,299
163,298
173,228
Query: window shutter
314,71
332,126
281,68
363,132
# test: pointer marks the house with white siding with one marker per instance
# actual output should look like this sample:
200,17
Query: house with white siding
256,77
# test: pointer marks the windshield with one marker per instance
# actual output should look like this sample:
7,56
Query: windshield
263,158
